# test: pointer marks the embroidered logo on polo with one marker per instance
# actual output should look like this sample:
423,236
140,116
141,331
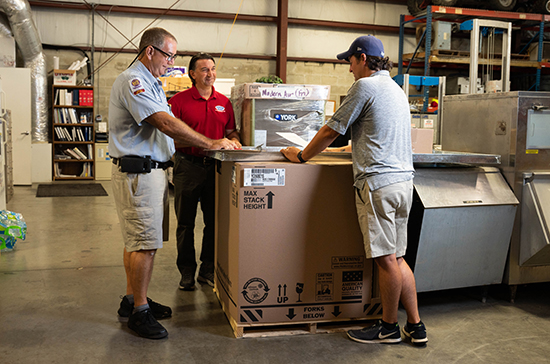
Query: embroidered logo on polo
136,87
220,108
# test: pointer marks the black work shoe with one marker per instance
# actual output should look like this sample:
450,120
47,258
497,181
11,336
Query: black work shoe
206,274
376,334
187,282
206,278
145,325
159,311
417,333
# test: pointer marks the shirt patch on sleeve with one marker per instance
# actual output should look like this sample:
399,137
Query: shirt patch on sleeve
220,108
136,87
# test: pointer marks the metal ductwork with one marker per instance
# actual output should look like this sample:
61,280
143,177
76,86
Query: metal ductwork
26,36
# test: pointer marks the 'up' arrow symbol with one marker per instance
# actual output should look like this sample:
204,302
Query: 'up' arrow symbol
270,199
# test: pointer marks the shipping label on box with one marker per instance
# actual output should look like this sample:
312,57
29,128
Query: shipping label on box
264,177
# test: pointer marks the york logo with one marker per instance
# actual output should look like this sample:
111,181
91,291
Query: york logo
286,117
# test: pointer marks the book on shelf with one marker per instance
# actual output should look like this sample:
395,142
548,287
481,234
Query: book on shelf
72,115
67,134
57,172
77,97
80,135
72,153
86,170
80,153
90,155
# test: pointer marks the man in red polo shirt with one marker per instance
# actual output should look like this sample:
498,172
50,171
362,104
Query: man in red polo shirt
211,114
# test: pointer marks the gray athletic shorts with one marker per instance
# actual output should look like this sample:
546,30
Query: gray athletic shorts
383,216
140,200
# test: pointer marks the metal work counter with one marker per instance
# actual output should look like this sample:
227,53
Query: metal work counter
273,154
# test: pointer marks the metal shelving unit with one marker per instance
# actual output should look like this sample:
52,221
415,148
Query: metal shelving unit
460,15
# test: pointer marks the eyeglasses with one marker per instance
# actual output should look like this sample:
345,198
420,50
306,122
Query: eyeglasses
169,57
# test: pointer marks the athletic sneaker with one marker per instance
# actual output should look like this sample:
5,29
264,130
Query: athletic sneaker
159,311
145,325
376,334
206,274
417,333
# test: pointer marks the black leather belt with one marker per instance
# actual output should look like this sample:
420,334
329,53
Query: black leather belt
154,164
205,161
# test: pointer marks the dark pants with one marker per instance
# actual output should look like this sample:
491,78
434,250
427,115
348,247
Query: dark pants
194,181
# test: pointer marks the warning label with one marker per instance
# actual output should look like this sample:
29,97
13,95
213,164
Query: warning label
352,285
352,262
315,312
265,177
324,287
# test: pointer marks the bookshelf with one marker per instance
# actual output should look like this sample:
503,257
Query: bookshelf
73,132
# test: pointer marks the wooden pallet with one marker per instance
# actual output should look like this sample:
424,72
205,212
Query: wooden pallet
256,330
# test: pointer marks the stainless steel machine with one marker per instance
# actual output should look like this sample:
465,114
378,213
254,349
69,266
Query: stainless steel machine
459,227
515,125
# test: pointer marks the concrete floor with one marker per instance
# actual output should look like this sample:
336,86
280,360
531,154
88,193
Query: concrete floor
59,293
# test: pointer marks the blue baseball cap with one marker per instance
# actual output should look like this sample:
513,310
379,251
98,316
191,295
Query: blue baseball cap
367,44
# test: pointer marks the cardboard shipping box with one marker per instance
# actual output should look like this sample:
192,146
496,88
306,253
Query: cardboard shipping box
288,245
64,77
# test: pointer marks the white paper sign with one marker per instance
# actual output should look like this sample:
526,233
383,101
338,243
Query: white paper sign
297,93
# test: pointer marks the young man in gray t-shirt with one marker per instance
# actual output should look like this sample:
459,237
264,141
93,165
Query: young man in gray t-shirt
377,111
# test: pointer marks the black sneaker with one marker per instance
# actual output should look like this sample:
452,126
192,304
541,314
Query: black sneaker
159,311
417,333
206,278
206,274
376,334
187,282
145,325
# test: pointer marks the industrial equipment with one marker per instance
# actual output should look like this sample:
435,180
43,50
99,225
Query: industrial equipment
515,125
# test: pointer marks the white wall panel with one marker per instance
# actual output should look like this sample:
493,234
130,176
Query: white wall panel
354,11
73,28
307,42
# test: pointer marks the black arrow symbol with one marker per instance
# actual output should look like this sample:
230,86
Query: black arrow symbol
270,199
336,311
279,289
291,314
285,289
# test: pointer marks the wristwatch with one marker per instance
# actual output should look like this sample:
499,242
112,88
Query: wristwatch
302,160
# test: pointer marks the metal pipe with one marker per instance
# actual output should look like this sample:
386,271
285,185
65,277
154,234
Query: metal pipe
28,40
